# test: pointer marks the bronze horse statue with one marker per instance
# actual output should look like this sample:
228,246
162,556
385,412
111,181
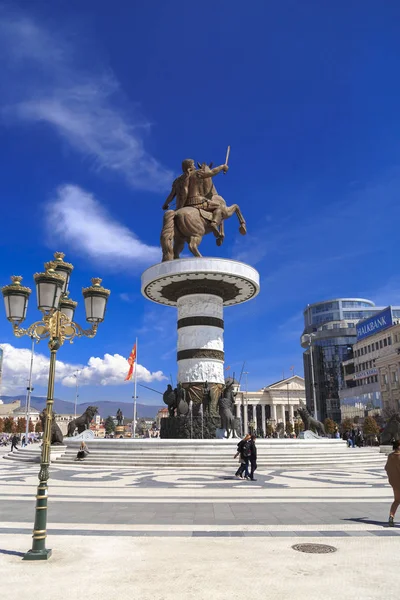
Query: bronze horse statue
190,224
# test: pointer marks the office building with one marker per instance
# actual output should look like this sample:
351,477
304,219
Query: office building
328,338
363,379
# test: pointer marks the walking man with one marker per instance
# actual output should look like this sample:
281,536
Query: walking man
253,457
14,442
393,471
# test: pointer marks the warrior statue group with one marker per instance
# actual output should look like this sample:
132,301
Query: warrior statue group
199,210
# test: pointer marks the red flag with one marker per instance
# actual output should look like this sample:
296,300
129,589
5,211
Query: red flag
131,361
227,368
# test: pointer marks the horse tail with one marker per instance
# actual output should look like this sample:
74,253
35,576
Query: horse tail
167,235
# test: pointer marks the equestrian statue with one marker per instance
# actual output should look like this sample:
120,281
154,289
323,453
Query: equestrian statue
199,210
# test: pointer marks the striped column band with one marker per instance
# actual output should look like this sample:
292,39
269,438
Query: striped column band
200,338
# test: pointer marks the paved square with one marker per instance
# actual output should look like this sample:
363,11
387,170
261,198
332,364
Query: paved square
190,533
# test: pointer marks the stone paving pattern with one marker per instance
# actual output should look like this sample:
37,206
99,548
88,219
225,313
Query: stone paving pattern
194,534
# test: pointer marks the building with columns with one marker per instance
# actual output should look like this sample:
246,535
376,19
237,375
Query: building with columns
273,404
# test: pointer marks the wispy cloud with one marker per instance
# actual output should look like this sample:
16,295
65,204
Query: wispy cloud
126,297
75,217
111,369
48,83
313,249
388,293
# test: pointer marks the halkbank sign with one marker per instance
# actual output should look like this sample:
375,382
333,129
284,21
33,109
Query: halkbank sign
378,322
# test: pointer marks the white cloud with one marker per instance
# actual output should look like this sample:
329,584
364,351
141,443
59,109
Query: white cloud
77,218
83,106
109,370
125,297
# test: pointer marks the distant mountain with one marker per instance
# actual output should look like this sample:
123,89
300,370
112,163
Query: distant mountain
105,407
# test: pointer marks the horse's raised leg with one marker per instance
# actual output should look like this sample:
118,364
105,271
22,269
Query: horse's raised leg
194,242
221,236
242,222
179,244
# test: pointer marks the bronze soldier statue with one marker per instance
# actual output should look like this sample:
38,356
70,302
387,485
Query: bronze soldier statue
188,189
199,210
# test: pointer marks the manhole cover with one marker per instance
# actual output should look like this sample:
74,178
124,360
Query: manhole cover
314,548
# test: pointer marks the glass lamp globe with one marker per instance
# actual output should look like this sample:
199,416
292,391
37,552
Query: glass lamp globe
96,298
49,287
16,298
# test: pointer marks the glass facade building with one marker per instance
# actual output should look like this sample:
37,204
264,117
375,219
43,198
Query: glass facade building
329,333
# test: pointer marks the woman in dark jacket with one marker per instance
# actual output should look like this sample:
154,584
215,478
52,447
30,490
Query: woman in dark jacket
243,450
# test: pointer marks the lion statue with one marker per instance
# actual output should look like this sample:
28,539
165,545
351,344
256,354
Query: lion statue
56,436
83,422
391,432
309,422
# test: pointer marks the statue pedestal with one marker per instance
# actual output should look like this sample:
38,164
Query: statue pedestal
200,288
119,430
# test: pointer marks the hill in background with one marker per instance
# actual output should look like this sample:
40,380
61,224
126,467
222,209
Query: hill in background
105,407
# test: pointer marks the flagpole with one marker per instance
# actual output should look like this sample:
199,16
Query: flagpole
135,391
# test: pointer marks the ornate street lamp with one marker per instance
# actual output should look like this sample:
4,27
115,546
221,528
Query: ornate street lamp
56,326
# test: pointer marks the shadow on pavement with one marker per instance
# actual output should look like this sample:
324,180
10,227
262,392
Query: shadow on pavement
368,521
11,552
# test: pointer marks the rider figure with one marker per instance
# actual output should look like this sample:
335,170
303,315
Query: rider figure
188,190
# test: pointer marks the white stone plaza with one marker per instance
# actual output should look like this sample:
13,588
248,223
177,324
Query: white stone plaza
193,532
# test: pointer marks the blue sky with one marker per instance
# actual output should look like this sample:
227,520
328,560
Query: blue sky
101,103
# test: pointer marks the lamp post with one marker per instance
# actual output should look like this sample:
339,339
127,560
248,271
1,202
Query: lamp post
310,337
288,401
29,391
76,391
57,326
245,432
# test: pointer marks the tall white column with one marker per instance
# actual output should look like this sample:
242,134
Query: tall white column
200,339
283,415
273,413
255,417
263,418
245,420
237,407
291,414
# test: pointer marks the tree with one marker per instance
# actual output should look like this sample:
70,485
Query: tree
21,425
109,425
9,425
141,426
289,428
298,427
1,425
346,425
38,427
389,410
269,430
31,427
370,428
330,426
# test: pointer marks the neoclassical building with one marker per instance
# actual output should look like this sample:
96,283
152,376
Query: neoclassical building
273,404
